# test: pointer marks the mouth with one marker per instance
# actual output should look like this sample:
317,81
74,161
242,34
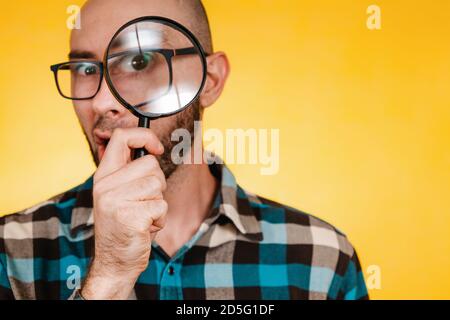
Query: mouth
101,139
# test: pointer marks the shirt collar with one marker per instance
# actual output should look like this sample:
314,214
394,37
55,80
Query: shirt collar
231,202
234,203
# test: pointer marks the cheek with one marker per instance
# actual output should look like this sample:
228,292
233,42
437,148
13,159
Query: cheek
85,115
162,126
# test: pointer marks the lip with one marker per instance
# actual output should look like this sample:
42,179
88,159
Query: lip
100,135
101,139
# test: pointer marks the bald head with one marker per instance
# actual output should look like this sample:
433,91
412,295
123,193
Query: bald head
101,18
200,24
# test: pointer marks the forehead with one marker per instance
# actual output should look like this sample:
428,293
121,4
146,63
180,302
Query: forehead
140,35
100,19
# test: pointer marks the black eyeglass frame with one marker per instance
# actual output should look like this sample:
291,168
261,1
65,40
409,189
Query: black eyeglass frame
168,54
55,68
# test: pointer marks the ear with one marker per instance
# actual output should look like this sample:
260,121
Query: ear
218,71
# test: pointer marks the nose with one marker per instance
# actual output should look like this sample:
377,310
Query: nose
105,104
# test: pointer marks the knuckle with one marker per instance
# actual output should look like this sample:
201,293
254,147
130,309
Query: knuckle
118,133
149,183
142,228
157,209
162,206
163,182
151,162
155,183
98,190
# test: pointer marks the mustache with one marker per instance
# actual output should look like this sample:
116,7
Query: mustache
107,124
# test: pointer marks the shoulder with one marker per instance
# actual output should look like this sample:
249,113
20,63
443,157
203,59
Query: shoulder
311,245
291,226
42,220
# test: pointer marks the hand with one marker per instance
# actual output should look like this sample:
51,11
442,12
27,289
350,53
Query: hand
128,211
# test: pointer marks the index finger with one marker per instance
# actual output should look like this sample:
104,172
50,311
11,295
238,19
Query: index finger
117,153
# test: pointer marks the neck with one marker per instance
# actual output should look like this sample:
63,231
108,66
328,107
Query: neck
190,194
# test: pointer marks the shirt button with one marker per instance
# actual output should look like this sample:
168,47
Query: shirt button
171,271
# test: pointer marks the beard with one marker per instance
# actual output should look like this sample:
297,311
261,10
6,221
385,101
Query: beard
183,120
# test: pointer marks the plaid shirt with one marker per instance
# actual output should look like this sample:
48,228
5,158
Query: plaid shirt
248,248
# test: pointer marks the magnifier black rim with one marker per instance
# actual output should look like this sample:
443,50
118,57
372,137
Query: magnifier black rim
170,23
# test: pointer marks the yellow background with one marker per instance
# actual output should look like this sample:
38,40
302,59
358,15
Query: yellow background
364,118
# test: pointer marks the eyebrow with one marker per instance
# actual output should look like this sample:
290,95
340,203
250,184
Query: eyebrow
75,54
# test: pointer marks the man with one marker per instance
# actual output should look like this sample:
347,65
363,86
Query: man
150,229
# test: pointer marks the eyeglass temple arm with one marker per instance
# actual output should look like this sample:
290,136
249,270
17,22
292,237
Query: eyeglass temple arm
185,51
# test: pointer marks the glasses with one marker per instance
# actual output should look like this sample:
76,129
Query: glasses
81,79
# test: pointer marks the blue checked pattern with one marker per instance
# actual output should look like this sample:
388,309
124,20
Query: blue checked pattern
248,248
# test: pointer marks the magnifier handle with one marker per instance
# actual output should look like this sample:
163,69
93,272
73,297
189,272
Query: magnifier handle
144,122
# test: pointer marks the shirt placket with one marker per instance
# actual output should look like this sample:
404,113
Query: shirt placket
171,287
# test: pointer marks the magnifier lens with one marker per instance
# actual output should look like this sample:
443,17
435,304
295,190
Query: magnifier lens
155,67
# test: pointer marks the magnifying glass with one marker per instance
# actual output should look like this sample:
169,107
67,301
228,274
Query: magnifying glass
155,67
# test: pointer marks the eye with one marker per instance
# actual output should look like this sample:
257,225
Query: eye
136,62
86,69
140,62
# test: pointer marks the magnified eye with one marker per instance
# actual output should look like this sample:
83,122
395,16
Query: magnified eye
136,62
86,69
140,62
